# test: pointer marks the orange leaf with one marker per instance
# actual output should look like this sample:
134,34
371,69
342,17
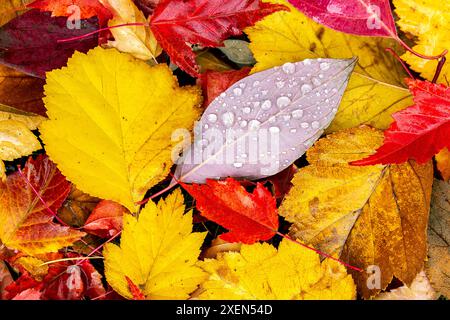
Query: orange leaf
26,224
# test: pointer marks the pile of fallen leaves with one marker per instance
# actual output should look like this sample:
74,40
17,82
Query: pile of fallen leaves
99,198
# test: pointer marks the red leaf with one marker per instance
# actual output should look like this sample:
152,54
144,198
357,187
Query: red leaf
29,43
105,220
282,181
214,83
203,22
420,131
27,224
65,280
361,17
248,217
135,291
63,8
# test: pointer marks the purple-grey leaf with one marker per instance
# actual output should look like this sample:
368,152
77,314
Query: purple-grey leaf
265,122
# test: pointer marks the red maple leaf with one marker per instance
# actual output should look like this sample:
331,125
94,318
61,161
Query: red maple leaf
213,83
420,131
204,22
249,217
64,8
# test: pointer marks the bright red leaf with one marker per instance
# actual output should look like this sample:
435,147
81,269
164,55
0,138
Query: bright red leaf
361,17
146,6
64,8
213,83
205,22
249,217
106,219
420,131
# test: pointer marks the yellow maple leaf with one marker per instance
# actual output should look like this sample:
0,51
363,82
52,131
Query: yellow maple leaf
376,88
429,22
158,252
136,40
373,215
260,271
111,122
16,139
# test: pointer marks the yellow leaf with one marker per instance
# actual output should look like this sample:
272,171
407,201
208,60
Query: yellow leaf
438,264
9,9
208,61
31,120
111,122
158,252
35,266
376,88
429,22
443,163
259,271
374,215
16,140
136,40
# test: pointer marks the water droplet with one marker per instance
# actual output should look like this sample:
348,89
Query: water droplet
256,104
280,84
266,105
324,66
293,130
306,88
254,125
307,62
242,85
264,92
288,68
246,110
274,129
237,165
316,82
256,83
272,119
206,126
304,125
223,94
283,102
237,91
287,117
212,117
244,156
315,125
228,119
243,124
297,114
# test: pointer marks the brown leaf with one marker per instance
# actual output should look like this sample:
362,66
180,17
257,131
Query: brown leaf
438,264
21,91
77,208
443,163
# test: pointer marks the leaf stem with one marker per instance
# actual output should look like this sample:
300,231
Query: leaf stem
397,57
406,47
439,69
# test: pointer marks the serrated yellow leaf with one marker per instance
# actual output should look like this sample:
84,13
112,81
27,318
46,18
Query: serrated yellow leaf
259,271
376,88
111,122
373,215
158,252
136,40
429,22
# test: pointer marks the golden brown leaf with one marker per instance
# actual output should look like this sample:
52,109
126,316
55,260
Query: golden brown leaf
77,207
443,163
374,215
438,264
